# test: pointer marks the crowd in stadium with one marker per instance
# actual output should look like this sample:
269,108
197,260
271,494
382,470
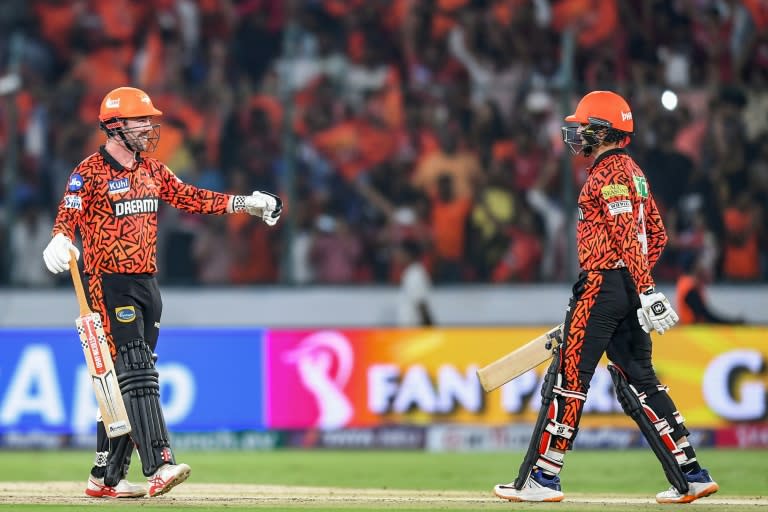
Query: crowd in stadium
388,122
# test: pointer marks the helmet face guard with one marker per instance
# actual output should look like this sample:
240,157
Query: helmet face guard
137,139
582,139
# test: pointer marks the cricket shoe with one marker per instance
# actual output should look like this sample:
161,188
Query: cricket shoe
124,489
700,484
538,487
167,477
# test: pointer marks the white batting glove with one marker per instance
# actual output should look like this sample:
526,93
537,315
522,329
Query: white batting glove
656,312
644,321
265,204
56,255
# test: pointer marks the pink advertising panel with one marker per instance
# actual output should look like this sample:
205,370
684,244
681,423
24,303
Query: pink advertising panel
330,379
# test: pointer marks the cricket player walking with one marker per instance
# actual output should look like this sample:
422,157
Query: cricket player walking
614,307
112,199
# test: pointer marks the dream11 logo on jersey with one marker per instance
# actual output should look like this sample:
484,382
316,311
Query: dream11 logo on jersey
323,362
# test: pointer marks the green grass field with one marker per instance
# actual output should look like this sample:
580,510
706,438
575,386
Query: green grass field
608,481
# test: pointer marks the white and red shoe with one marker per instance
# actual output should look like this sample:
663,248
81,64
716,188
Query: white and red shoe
167,477
123,489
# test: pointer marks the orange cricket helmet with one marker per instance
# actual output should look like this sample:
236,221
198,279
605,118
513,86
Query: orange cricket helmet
603,117
604,108
126,102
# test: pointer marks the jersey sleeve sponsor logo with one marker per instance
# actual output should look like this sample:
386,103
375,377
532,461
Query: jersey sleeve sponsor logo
613,190
641,186
75,182
119,186
617,207
135,206
75,202
125,314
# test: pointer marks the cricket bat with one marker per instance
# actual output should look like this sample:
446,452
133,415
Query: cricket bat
520,360
99,360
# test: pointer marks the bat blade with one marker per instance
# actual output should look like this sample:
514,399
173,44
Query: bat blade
103,376
520,360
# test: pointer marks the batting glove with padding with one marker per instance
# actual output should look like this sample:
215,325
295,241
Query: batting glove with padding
56,255
656,312
266,205
273,209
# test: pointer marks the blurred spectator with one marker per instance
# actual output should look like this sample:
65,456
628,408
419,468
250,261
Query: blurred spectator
669,170
491,217
210,252
366,104
692,303
520,261
413,307
253,252
335,251
741,260
28,237
449,221
461,165
494,75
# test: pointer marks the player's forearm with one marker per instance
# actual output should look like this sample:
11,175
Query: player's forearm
198,200
630,250
657,241
64,226
656,234
637,263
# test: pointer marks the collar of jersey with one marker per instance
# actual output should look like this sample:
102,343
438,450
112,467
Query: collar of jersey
610,152
111,160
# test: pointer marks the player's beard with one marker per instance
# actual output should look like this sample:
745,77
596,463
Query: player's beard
144,140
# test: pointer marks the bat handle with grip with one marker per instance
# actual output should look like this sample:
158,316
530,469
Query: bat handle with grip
81,300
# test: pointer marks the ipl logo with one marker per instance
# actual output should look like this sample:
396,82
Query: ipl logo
324,361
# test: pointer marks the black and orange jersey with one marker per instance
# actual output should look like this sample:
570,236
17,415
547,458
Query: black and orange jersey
619,223
115,210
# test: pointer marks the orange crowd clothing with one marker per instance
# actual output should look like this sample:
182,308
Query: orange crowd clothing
248,244
464,167
741,252
154,70
56,21
271,107
449,234
443,19
341,8
103,69
692,304
619,222
595,20
521,261
117,19
355,145
758,9
115,210
685,285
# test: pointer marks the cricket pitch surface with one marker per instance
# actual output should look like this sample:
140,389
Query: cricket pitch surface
244,495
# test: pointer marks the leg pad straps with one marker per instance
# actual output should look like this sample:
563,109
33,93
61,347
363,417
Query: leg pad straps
548,426
655,430
141,393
